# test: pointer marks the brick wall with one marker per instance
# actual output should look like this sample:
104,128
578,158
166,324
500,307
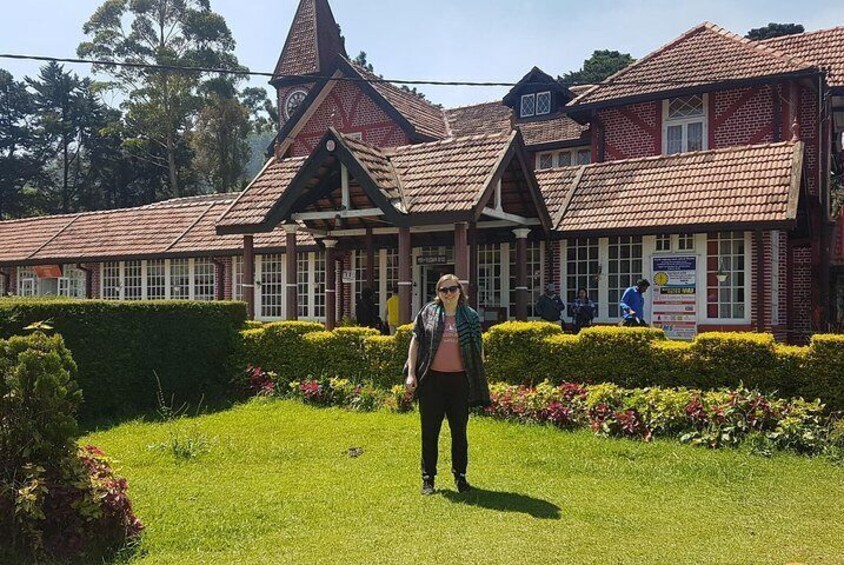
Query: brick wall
12,282
95,278
632,131
801,292
349,110
227,273
743,116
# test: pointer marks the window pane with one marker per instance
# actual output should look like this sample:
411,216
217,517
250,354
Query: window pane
584,157
564,159
546,160
528,105
685,107
543,103
674,140
695,132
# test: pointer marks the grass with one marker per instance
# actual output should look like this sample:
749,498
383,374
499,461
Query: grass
286,483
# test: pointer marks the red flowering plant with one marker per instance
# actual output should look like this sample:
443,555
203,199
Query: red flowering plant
260,382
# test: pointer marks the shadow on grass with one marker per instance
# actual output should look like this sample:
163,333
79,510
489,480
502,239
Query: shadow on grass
505,502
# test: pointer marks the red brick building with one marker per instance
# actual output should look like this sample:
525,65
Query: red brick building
706,166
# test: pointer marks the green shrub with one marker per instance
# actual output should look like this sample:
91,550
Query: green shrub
560,359
670,363
513,348
119,347
789,378
340,353
278,347
825,370
618,355
726,359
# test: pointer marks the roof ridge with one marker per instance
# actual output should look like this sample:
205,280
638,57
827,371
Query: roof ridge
755,46
475,105
478,136
190,227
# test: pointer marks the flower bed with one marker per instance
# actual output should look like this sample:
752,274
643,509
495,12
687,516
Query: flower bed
715,419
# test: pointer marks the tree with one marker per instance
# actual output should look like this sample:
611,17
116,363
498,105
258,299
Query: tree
20,151
600,65
263,114
362,61
160,103
773,30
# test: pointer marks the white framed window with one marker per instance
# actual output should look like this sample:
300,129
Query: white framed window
361,283
685,242
528,105
111,281
727,258
156,279
318,268
72,282
355,135
27,282
543,103
133,280
663,242
535,266
272,286
583,268
303,284
563,158
546,161
684,124
775,278
237,278
624,267
204,279
489,276
180,279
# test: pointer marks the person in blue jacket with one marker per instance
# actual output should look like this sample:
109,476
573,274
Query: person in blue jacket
632,304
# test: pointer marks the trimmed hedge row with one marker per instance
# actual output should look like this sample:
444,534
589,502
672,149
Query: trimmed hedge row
527,353
120,347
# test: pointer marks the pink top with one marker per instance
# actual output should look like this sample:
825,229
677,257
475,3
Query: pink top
448,358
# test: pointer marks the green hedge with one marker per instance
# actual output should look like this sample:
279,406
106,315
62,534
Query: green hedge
119,347
526,353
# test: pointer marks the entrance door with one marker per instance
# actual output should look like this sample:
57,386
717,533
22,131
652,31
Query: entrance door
430,275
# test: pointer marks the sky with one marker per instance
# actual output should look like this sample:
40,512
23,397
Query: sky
468,40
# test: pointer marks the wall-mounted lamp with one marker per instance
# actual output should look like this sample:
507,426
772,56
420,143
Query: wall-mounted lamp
721,275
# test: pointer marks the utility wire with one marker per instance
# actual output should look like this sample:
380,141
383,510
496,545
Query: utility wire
371,80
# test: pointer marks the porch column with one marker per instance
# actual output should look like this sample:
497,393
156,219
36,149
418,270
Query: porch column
370,260
461,254
291,278
249,275
521,273
405,278
473,265
759,247
330,284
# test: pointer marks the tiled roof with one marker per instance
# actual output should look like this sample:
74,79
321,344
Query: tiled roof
175,227
312,42
704,55
447,175
755,184
495,117
254,203
377,165
824,48
425,117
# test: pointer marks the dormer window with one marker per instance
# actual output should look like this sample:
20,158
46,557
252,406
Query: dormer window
684,124
528,105
538,104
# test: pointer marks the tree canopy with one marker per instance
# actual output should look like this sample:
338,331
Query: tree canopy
596,68
773,30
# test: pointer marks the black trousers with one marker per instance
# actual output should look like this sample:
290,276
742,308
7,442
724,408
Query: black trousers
444,395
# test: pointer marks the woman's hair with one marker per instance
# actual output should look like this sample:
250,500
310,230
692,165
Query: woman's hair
451,277
584,290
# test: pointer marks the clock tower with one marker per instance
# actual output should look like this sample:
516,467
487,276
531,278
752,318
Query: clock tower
313,43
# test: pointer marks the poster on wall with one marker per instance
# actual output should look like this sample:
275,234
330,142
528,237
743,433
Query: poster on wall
675,296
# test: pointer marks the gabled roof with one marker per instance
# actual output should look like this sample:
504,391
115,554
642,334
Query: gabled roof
179,227
534,78
705,55
755,185
312,42
824,48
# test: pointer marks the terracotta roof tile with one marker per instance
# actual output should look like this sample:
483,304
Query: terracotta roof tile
824,48
447,175
495,117
254,203
21,238
312,42
744,185
376,162
706,54
426,118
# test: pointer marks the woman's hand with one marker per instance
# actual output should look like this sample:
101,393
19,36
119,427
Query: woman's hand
410,383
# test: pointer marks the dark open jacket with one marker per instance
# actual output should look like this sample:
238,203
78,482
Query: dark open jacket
428,329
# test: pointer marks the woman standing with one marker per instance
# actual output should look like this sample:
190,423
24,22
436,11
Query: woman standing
583,311
445,364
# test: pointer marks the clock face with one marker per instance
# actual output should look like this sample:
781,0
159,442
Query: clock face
293,100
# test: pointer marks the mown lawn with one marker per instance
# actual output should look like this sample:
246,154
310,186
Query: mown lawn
279,486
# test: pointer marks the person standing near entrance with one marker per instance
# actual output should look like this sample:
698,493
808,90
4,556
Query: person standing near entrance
550,306
582,311
366,311
392,313
445,369
633,304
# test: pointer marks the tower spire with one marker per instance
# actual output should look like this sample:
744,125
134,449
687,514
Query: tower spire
312,43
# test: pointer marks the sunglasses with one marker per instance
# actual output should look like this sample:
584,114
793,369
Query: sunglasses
449,289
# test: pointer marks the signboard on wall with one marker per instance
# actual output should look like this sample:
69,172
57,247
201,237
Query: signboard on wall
432,260
348,277
675,296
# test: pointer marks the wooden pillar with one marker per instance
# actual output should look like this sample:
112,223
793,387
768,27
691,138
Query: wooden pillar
405,278
461,254
291,278
370,260
330,284
521,273
473,265
249,275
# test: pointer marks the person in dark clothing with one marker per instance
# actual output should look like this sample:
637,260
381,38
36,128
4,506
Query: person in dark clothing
582,311
633,304
366,311
445,369
550,306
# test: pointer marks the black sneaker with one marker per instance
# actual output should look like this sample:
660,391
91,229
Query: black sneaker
461,483
428,486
